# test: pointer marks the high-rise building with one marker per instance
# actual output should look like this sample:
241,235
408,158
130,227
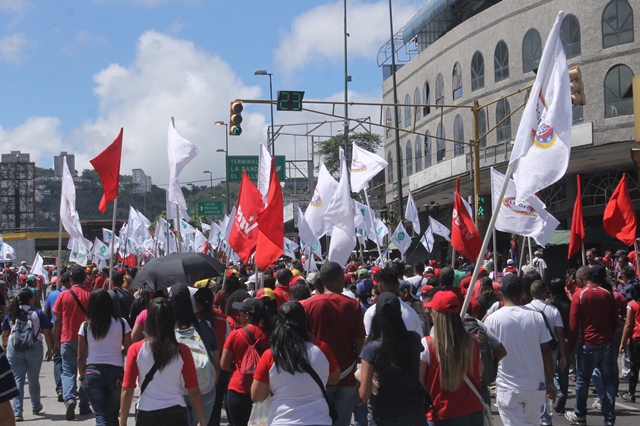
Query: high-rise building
17,192
141,182
57,164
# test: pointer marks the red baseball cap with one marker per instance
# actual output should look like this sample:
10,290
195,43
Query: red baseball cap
445,301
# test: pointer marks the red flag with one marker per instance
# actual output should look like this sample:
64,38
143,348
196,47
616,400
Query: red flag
271,224
244,227
465,237
576,237
619,219
107,164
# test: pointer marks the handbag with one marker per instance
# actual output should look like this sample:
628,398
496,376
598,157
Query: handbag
260,413
333,413
488,417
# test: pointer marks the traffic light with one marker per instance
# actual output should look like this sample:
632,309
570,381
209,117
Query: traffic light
577,88
235,118
482,209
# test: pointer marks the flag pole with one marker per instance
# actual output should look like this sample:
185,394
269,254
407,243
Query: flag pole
58,282
453,258
487,238
113,233
495,251
521,256
584,255
179,244
530,250
366,197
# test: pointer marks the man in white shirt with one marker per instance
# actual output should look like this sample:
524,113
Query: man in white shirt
414,276
388,281
527,372
539,263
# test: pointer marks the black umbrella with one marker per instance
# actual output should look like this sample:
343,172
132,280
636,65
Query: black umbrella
163,272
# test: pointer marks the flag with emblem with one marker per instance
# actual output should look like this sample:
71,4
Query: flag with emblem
439,229
543,142
100,249
325,188
186,227
290,248
243,225
364,166
465,237
401,239
411,213
215,235
381,231
428,239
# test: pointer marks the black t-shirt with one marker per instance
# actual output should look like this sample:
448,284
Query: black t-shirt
398,395
486,303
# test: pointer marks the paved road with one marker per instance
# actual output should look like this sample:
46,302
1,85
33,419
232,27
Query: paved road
627,414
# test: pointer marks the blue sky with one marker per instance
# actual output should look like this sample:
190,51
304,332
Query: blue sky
72,72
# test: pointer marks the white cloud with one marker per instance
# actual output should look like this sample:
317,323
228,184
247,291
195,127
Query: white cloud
38,136
318,34
12,48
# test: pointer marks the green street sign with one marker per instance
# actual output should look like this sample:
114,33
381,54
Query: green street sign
210,208
237,163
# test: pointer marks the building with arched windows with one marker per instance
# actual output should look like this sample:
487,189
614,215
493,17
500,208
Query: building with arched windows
491,49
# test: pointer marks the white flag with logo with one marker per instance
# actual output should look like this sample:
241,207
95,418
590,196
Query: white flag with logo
529,219
106,235
215,235
200,240
364,166
381,231
543,141
401,239
411,214
439,229
186,227
290,248
180,151
322,194
204,226
428,239
100,249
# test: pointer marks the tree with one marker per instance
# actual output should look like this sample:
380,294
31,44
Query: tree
330,149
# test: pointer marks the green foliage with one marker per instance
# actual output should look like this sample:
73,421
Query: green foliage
329,149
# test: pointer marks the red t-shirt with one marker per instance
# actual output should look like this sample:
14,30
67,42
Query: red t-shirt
220,326
337,320
634,307
238,343
281,293
70,313
593,317
464,284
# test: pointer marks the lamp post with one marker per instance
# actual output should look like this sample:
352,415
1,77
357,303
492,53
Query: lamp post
226,158
273,139
211,179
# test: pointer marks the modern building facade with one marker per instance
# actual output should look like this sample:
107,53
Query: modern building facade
465,50
141,182
58,162
17,192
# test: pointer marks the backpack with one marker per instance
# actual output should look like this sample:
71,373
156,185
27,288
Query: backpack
486,351
22,336
204,366
250,359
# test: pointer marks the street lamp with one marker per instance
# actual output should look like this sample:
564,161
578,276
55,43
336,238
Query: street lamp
226,157
211,178
273,140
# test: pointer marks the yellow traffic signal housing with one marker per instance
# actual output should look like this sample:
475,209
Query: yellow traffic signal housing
577,88
235,118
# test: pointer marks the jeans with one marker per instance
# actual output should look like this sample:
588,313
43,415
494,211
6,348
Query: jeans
239,408
360,414
561,380
634,358
69,353
103,384
473,419
344,399
174,416
27,364
221,392
485,393
602,357
57,372
208,401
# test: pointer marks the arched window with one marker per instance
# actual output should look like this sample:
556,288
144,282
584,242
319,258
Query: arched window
501,61
427,150
387,121
407,111
570,36
457,81
482,128
503,130
439,89
425,94
618,94
441,147
416,101
617,24
418,154
409,158
477,71
458,134
390,175
531,50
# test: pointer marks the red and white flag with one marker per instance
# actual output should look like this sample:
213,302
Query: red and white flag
271,224
243,235
465,237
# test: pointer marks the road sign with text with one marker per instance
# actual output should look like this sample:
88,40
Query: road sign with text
210,208
237,163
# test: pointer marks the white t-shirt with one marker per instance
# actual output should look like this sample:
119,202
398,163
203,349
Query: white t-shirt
416,282
551,312
409,316
348,293
521,331
107,350
540,265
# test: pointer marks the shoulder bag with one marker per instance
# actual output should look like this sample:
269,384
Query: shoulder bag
488,419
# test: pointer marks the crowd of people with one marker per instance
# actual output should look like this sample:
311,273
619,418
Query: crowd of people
376,345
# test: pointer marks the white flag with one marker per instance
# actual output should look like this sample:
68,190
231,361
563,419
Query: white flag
428,239
529,219
339,214
79,253
215,235
364,166
290,248
6,251
411,214
380,260
204,226
100,249
180,152
199,242
381,231
106,235
264,172
543,141
304,232
364,222
68,214
37,268
439,229
310,265
186,228
322,194
401,239
171,209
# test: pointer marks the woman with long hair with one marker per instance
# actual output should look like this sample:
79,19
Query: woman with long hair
26,363
102,340
164,368
255,328
393,354
138,314
297,398
452,355
487,296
